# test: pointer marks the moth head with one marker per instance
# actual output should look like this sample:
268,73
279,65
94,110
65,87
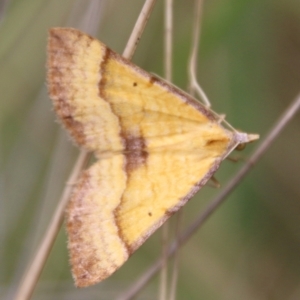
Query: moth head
245,138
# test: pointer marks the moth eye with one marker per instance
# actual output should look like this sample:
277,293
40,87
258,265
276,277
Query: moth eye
240,147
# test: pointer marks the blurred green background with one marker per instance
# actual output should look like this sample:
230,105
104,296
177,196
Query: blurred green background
249,66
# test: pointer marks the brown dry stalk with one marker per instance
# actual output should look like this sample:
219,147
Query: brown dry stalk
168,51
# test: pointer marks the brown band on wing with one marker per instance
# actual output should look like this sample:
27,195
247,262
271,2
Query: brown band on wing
102,82
83,267
135,152
61,52
134,146
135,156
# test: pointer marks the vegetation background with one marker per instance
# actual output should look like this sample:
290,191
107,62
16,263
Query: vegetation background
249,66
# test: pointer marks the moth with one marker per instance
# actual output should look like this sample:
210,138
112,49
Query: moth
155,147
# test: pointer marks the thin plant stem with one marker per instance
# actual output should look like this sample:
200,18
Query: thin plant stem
168,38
34,270
194,85
31,275
175,272
138,28
164,270
168,51
282,122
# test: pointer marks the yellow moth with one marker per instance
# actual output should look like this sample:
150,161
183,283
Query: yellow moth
155,148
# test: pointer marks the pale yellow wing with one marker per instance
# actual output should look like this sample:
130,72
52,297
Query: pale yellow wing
155,148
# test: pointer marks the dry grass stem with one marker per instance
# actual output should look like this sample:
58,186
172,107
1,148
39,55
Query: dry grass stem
168,54
195,88
175,271
34,270
168,39
138,29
